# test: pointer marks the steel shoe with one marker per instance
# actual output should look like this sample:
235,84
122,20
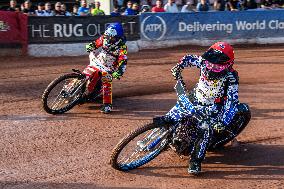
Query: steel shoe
106,108
194,168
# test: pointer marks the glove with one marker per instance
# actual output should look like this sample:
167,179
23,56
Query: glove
176,72
219,127
116,75
90,47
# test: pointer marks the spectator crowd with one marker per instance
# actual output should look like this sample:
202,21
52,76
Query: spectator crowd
58,9
174,6
135,7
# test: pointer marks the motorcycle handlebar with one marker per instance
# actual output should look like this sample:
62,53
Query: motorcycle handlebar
185,102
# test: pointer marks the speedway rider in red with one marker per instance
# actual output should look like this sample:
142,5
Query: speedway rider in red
216,95
109,54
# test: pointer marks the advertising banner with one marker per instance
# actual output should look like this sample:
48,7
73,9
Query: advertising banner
78,28
212,25
13,29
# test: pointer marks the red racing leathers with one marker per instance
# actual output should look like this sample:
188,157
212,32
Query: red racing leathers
106,61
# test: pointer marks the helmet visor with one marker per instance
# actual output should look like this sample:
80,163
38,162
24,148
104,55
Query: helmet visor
110,39
215,67
215,56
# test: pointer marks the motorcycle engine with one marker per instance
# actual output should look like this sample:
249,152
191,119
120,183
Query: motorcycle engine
183,139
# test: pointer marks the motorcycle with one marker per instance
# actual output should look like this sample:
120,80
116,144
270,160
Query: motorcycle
146,142
69,90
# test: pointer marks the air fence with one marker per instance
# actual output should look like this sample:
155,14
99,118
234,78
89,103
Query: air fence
67,36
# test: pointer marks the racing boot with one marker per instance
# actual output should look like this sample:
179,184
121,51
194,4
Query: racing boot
106,108
194,167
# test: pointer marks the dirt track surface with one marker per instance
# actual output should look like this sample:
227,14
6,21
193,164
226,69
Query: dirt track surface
73,150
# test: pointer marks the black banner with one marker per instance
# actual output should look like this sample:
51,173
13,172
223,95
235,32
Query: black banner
78,28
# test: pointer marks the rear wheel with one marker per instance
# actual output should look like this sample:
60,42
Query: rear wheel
139,147
239,123
63,93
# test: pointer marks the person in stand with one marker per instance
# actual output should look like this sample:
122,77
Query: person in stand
111,53
271,4
27,8
40,9
97,10
249,4
171,7
202,6
118,3
129,11
115,11
48,10
135,8
145,8
83,10
75,11
158,7
13,6
57,9
64,11
234,5
188,7
219,5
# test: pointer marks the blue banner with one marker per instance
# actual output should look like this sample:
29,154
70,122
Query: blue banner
212,25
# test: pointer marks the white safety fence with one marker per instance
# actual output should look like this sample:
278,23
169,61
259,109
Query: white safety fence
78,49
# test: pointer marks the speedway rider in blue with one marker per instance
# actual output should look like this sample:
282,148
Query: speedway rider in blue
216,95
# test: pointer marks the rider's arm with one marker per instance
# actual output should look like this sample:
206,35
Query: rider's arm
122,60
190,60
98,42
230,108
187,60
94,44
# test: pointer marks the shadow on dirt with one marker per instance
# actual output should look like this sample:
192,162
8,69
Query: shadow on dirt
267,113
131,107
136,108
246,162
153,107
144,107
51,185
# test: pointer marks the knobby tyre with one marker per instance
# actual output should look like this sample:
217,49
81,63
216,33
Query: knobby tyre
63,93
241,120
141,146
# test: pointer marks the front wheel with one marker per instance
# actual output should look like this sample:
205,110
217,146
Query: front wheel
63,93
139,147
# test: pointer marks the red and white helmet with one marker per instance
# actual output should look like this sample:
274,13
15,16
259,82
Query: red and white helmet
219,57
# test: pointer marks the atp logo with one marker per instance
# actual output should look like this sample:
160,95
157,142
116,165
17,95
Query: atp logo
153,27
4,26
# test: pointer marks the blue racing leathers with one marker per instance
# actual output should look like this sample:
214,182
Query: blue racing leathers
215,98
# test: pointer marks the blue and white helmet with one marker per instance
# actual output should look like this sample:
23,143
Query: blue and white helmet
114,30
113,36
